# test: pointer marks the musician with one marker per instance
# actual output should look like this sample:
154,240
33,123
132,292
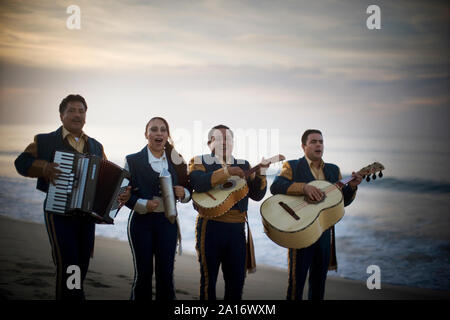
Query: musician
150,233
71,237
321,255
221,240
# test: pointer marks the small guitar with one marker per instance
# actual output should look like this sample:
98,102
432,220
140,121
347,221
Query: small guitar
295,222
224,196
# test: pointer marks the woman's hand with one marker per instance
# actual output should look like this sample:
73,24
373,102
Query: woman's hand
124,196
179,192
151,205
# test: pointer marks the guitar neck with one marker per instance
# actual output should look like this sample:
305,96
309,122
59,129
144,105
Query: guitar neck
346,180
370,169
254,169
269,161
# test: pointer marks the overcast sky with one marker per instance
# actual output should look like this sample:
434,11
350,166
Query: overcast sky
288,65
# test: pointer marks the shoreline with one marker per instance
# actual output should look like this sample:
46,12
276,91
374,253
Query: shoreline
27,273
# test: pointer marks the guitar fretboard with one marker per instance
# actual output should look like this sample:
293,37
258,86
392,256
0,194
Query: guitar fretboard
268,161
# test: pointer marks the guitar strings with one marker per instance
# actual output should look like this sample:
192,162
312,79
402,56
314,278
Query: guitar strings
302,203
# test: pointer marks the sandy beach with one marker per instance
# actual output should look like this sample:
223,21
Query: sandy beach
27,273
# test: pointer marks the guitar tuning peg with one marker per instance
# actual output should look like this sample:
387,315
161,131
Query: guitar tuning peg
368,178
380,174
374,176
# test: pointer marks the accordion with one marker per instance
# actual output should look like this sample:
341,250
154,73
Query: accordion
88,185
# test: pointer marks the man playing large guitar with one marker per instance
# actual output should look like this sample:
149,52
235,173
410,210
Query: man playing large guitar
220,239
319,257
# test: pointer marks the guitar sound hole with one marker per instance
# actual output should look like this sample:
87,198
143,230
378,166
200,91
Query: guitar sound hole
289,210
228,184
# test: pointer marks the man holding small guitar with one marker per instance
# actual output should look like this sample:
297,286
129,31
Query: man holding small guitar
220,229
320,256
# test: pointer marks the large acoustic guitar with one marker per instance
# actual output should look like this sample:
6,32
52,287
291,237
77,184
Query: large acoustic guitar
295,222
224,196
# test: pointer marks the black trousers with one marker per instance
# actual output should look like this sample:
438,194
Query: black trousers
221,243
313,259
72,241
152,235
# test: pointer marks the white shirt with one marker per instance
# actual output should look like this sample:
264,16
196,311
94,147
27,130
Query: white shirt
157,165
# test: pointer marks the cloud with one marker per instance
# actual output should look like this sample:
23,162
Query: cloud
273,58
202,33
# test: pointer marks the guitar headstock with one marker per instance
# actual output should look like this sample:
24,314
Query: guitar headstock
273,159
265,163
371,170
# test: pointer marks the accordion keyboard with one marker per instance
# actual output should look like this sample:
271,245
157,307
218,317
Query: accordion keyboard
59,194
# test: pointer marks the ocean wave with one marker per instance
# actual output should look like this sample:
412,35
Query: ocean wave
10,153
415,185
412,185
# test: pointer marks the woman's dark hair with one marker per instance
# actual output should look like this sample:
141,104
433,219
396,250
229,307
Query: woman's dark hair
173,156
71,98
307,133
